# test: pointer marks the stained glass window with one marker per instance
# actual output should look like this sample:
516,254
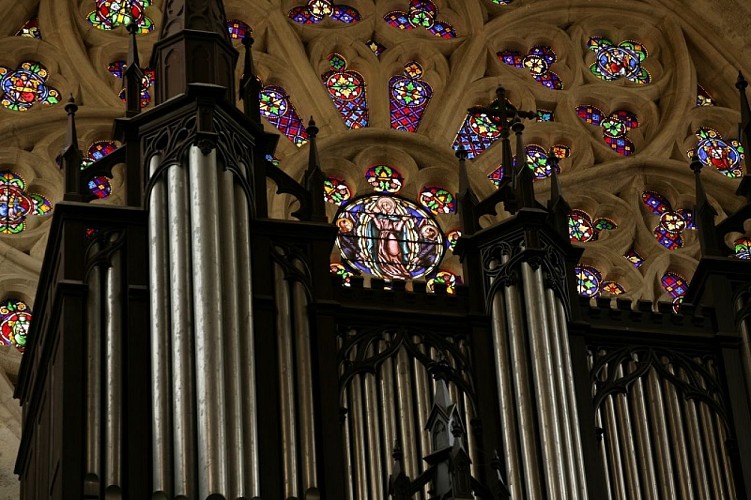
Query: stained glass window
537,62
278,110
15,319
537,158
26,86
702,97
671,223
612,288
581,227
110,14
619,61
545,115
409,96
444,278
452,237
614,127
384,179
742,248
676,286
634,257
715,152
347,91
501,2
389,237
238,30
16,205
420,14
588,281
117,69
476,134
30,29
375,46
336,191
437,200
99,185
316,11
496,176
343,272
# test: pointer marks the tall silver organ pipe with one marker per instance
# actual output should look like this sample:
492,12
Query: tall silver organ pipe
93,458
113,390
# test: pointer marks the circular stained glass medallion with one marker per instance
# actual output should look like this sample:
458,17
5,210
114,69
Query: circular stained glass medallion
389,237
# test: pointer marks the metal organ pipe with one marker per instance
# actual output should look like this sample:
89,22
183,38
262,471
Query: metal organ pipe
181,333
406,414
93,460
505,393
569,392
286,383
358,437
660,436
113,390
373,434
526,430
231,344
643,441
209,324
247,339
678,444
558,334
304,379
539,346
626,438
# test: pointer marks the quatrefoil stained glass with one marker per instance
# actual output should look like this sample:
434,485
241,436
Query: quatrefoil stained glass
16,204
26,86
316,11
437,200
672,223
15,319
614,127
109,14
100,185
117,69
336,191
537,61
420,14
581,227
714,151
619,61
384,179
237,29
676,286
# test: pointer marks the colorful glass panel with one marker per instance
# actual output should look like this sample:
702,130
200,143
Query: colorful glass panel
437,200
452,237
614,127
714,151
408,98
336,191
341,271
384,179
444,278
375,46
619,61
544,115
671,223
15,319
30,29
537,62
117,69
742,248
581,227
100,185
634,257
702,97
238,30
420,14
389,237
316,10
476,134
501,2
588,281
278,110
676,286
347,91
110,14
612,288
25,86
16,204
496,176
